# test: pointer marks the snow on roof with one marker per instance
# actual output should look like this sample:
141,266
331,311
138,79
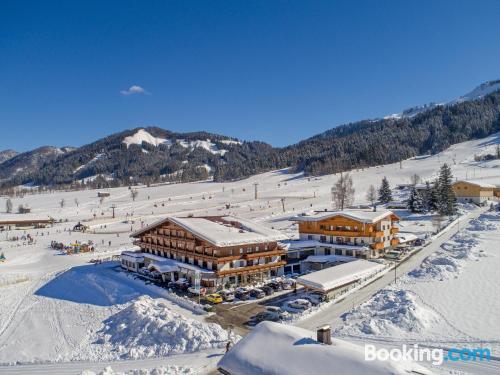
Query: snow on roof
333,277
221,232
328,258
478,183
364,216
276,349
133,254
304,244
406,237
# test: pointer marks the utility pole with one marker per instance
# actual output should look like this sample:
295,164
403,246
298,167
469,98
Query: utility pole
395,267
283,203
255,187
113,206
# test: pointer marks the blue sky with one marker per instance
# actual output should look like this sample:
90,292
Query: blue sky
277,71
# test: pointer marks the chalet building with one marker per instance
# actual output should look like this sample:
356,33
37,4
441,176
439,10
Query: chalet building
356,233
25,224
475,191
221,249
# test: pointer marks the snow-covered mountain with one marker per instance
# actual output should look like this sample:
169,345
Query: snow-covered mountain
31,160
6,155
152,154
478,93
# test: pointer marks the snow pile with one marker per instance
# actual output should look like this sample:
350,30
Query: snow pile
163,370
143,136
480,224
448,262
149,328
388,313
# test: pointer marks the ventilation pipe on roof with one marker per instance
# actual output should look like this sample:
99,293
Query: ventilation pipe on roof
324,335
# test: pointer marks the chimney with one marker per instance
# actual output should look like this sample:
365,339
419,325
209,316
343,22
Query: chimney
324,335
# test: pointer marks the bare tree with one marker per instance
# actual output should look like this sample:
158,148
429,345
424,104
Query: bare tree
415,179
77,202
8,205
62,203
371,195
134,193
343,192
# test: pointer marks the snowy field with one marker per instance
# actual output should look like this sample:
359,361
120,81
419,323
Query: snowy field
450,300
62,308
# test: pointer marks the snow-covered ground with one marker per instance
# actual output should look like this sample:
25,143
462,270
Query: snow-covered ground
56,307
450,300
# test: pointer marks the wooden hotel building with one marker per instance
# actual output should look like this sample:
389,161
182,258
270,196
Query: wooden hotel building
222,249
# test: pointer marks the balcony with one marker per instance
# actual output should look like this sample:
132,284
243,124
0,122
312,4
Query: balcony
262,254
377,245
250,269
394,230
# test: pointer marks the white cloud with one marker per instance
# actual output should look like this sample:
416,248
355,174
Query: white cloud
134,89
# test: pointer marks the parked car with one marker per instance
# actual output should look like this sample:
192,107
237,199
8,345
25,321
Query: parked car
274,285
257,293
267,290
278,312
192,291
242,294
300,304
181,284
419,242
286,285
227,295
214,298
315,298
262,316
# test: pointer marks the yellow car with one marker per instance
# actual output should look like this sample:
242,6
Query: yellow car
214,298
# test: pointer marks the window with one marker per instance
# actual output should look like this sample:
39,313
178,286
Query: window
338,252
241,250
309,237
327,251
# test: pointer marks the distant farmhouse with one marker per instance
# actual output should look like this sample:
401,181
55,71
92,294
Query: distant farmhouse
25,224
475,191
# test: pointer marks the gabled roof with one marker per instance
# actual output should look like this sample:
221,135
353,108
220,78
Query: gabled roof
477,183
363,216
221,231
334,277
276,349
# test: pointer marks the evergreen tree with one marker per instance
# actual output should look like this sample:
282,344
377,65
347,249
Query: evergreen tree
434,197
384,192
447,201
415,201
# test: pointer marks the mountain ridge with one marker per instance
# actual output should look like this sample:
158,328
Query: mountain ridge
151,154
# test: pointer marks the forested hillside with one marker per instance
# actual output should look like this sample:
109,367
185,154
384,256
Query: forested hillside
154,154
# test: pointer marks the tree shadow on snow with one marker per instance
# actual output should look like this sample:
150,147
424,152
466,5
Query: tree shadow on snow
99,285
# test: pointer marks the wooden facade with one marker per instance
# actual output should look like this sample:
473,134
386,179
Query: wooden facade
344,230
233,264
474,192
